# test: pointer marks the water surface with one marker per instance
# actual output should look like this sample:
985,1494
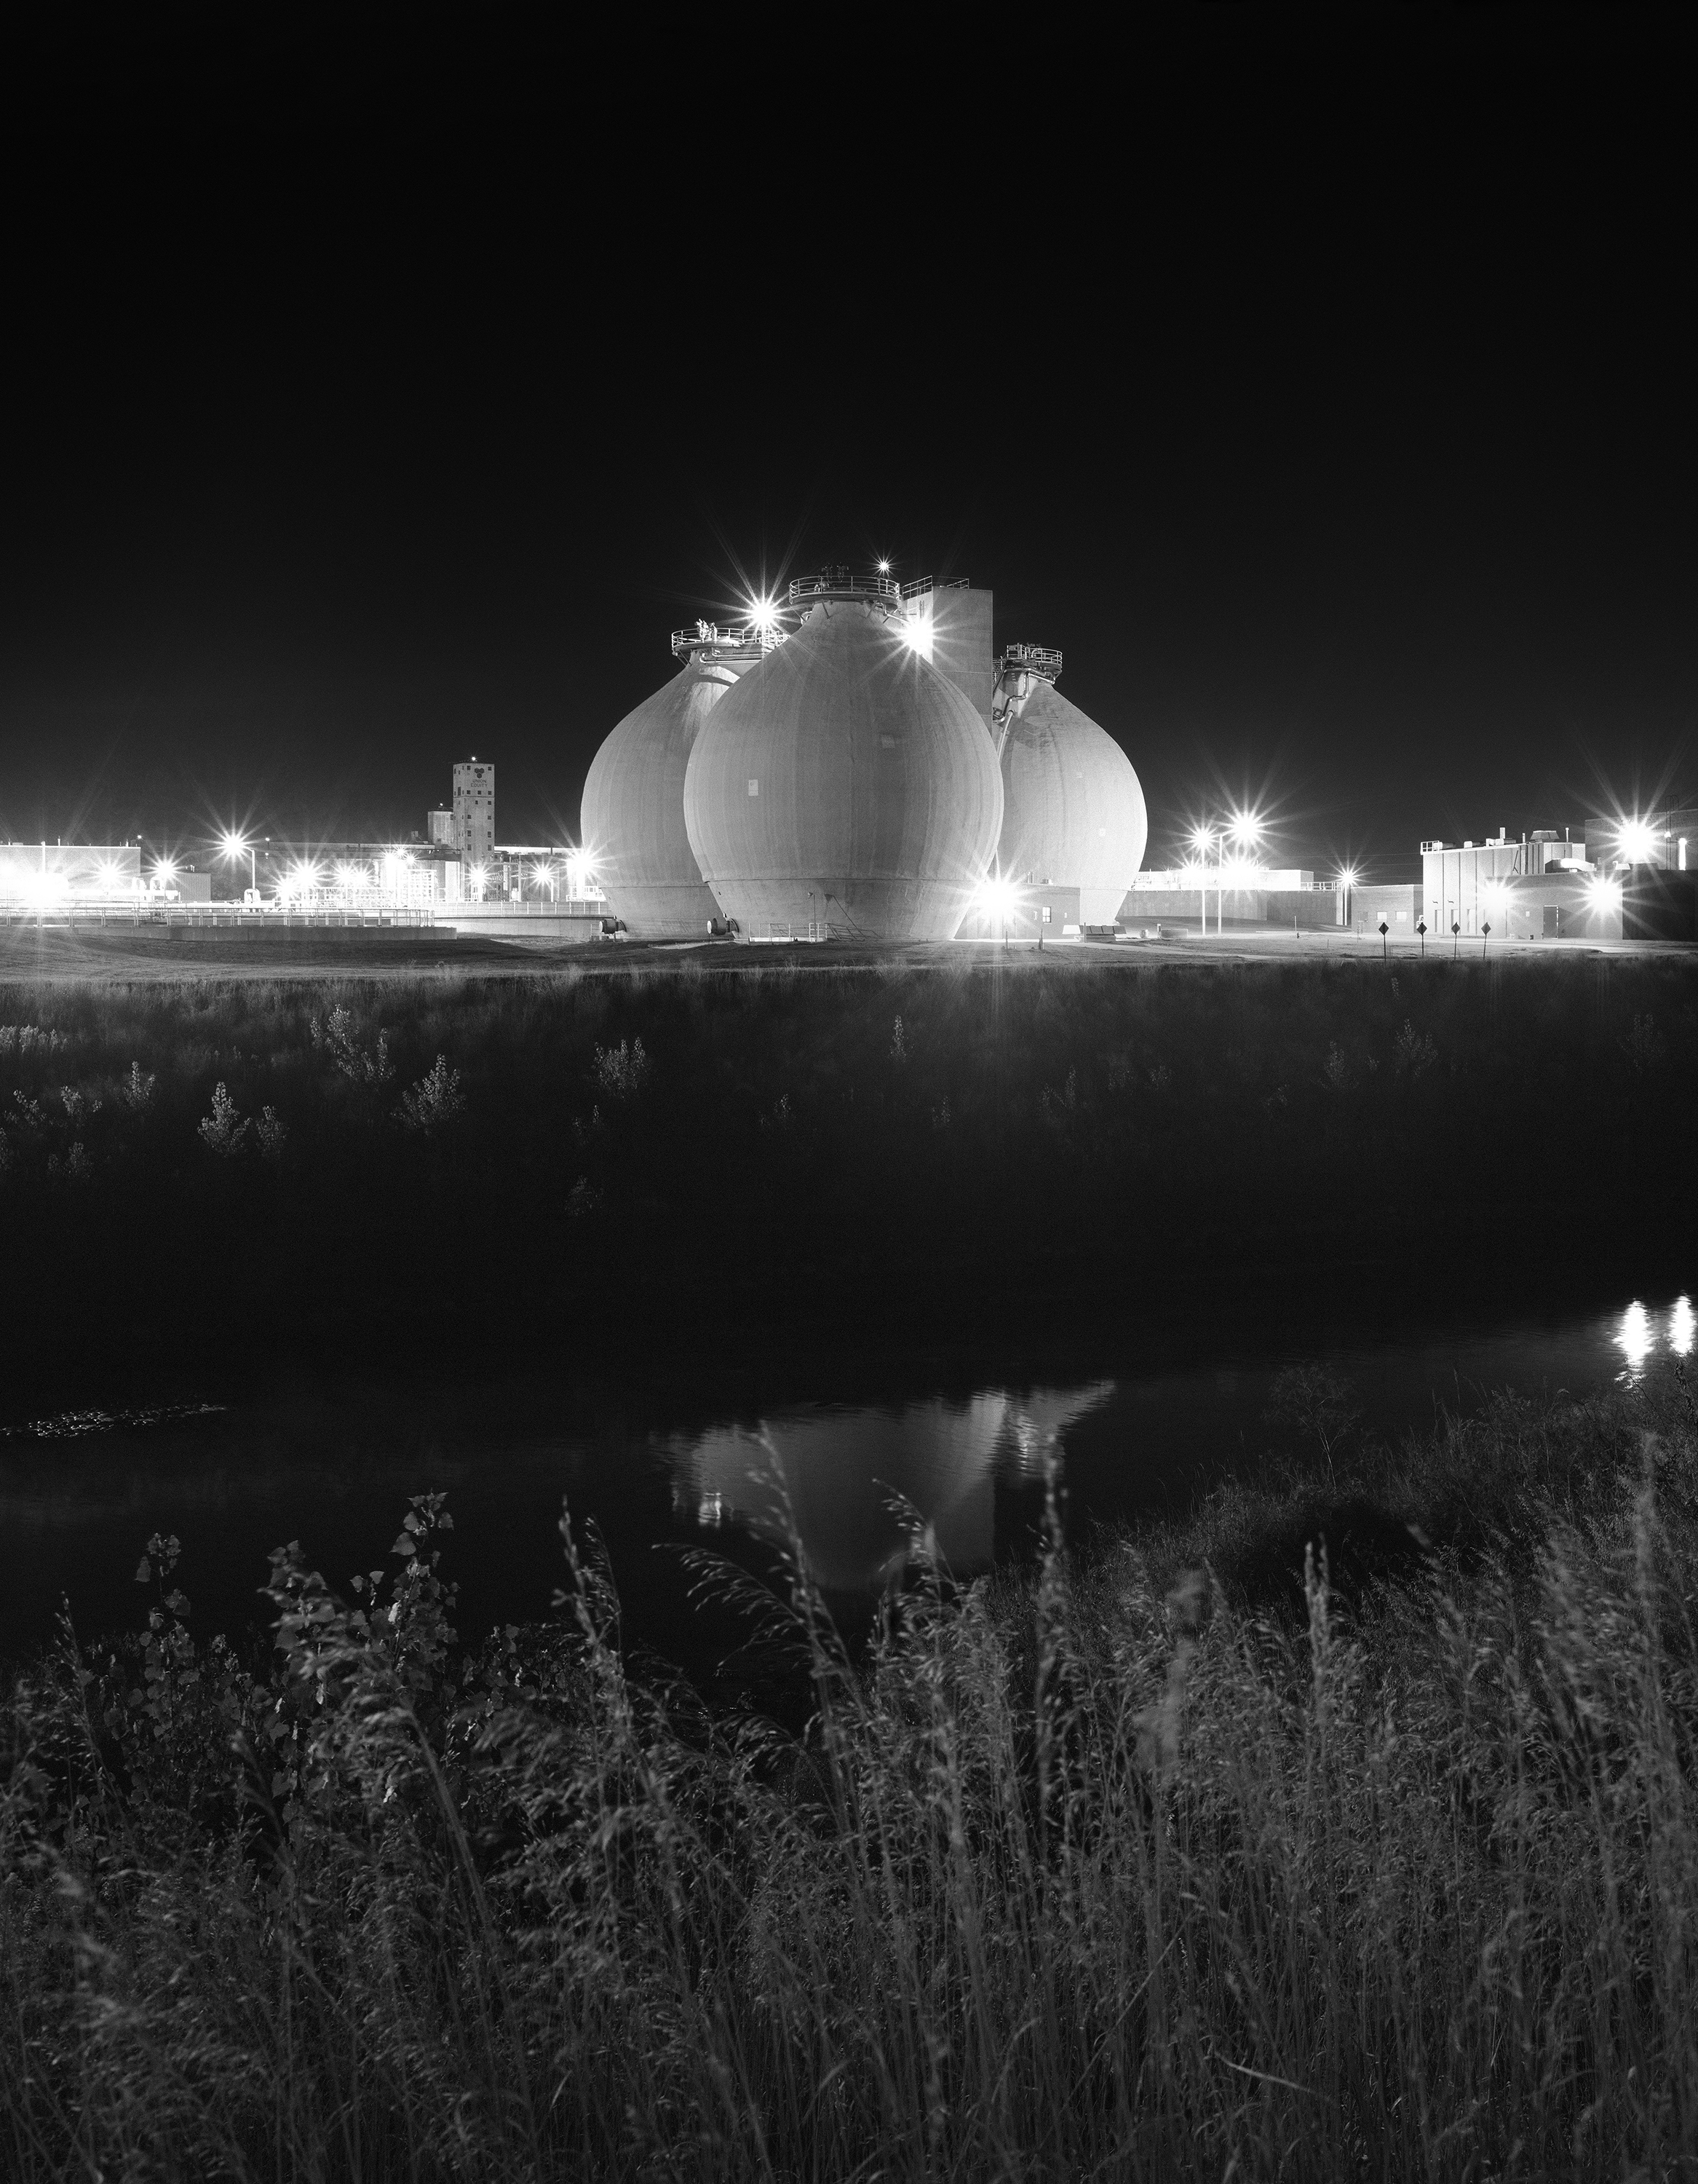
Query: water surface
330,1459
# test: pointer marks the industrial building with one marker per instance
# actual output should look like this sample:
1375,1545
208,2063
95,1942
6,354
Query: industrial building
37,876
860,763
1460,886
474,811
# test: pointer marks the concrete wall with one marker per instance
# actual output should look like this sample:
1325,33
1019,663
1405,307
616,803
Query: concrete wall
961,643
1398,906
545,924
1053,908
1309,910
1659,903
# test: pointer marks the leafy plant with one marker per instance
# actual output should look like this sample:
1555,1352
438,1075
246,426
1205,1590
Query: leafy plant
223,1132
137,1090
1413,1053
75,1166
434,1101
337,1036
622,1071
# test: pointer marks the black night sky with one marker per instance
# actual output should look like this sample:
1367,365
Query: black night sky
1321,385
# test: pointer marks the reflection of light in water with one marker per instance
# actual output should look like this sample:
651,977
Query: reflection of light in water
1039,1418
841,1470
1681,1327
1636,1336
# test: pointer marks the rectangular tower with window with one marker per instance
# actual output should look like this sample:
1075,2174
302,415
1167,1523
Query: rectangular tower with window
475,811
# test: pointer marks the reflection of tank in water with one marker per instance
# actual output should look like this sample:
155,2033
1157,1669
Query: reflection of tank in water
634,802
840,1470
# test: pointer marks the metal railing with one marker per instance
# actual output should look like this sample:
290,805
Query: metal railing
844,584
708,637
1036,659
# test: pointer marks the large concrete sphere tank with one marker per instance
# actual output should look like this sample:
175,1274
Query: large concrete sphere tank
844,780
633,801
1073,813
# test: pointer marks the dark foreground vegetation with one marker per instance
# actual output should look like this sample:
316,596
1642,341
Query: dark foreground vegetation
1346,1828
899,1146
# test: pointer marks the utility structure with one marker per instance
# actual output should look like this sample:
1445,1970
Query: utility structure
633,806
844,781
1073,812
858,760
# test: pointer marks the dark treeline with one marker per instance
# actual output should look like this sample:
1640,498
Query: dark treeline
866,1147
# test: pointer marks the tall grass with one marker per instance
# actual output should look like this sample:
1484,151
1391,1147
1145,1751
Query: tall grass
1099,1870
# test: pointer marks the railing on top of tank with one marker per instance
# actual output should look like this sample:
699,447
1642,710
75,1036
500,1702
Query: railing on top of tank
918,586
709,637
1036,659
844,584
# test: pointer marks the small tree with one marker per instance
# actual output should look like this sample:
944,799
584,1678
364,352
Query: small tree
436,1099
221,1132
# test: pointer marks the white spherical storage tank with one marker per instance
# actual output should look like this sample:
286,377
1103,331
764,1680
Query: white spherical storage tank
1073,813
844,781
634,802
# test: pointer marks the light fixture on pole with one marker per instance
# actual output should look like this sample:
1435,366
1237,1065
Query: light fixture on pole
1202,841
234,844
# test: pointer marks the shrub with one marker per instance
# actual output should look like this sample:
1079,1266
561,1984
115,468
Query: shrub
622,1071
222,1132
1413,1053
137,1090
31,1039
335,1036
434,1099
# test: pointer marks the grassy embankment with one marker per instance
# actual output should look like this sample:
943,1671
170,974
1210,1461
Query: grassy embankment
1160,1865
872,1148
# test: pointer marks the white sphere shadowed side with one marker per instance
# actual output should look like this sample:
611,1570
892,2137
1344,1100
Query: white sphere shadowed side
633,806
1073,812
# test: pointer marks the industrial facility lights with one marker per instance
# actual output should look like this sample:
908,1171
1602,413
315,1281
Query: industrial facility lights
1000,900
1244,830
1604,893
1636,841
